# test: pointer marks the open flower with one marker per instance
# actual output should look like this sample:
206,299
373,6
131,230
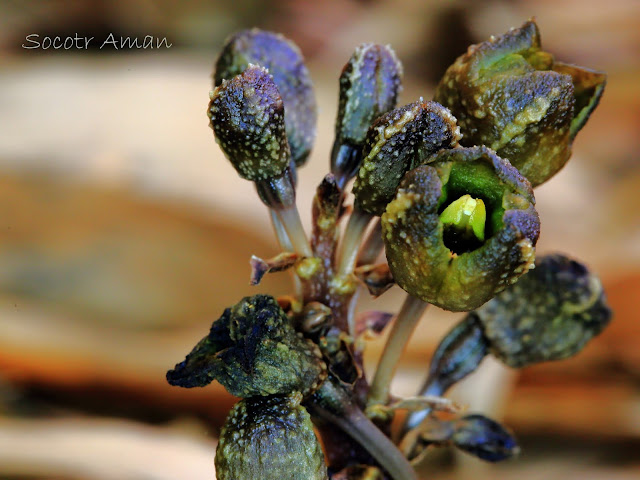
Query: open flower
270,438
510,95
284,61
441,247
252,349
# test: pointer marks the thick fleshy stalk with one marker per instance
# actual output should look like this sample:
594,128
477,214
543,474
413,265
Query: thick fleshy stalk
403,326
332,404
357,225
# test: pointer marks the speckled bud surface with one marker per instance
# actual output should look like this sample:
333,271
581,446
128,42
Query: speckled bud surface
511,96
269,438
246,114
369,86
253,349
420,261
285,63
550,314
397,142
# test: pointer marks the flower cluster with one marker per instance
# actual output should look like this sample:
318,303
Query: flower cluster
445,188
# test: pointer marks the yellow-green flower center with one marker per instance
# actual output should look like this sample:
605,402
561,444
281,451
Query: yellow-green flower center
464,222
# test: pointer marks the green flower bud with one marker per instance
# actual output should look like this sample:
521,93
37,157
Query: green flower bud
484,438
550,314
510,95
397,142
253,349
284,61
428,257
247,117
270,438
369,86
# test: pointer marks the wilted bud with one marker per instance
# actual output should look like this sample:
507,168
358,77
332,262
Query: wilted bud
510,95
252,349
484,438
247,117
437,261
550,314
397,142
270,438
284,61
369,86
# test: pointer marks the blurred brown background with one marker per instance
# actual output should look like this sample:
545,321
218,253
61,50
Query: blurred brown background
124,233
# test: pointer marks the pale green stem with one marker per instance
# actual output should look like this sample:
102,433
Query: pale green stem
350,245
281,233
285,245
351,313
372,246
290,218
403,326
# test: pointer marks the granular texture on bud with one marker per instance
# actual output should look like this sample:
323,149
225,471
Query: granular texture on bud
508,94
253,349
550,314
369,86
448,271
269,438
247,117
397,142
285,63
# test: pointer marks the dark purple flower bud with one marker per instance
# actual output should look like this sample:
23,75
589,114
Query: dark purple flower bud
459,354
484,438
426,255
285,63
508,94
247,117
550,314
369,86
397,142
